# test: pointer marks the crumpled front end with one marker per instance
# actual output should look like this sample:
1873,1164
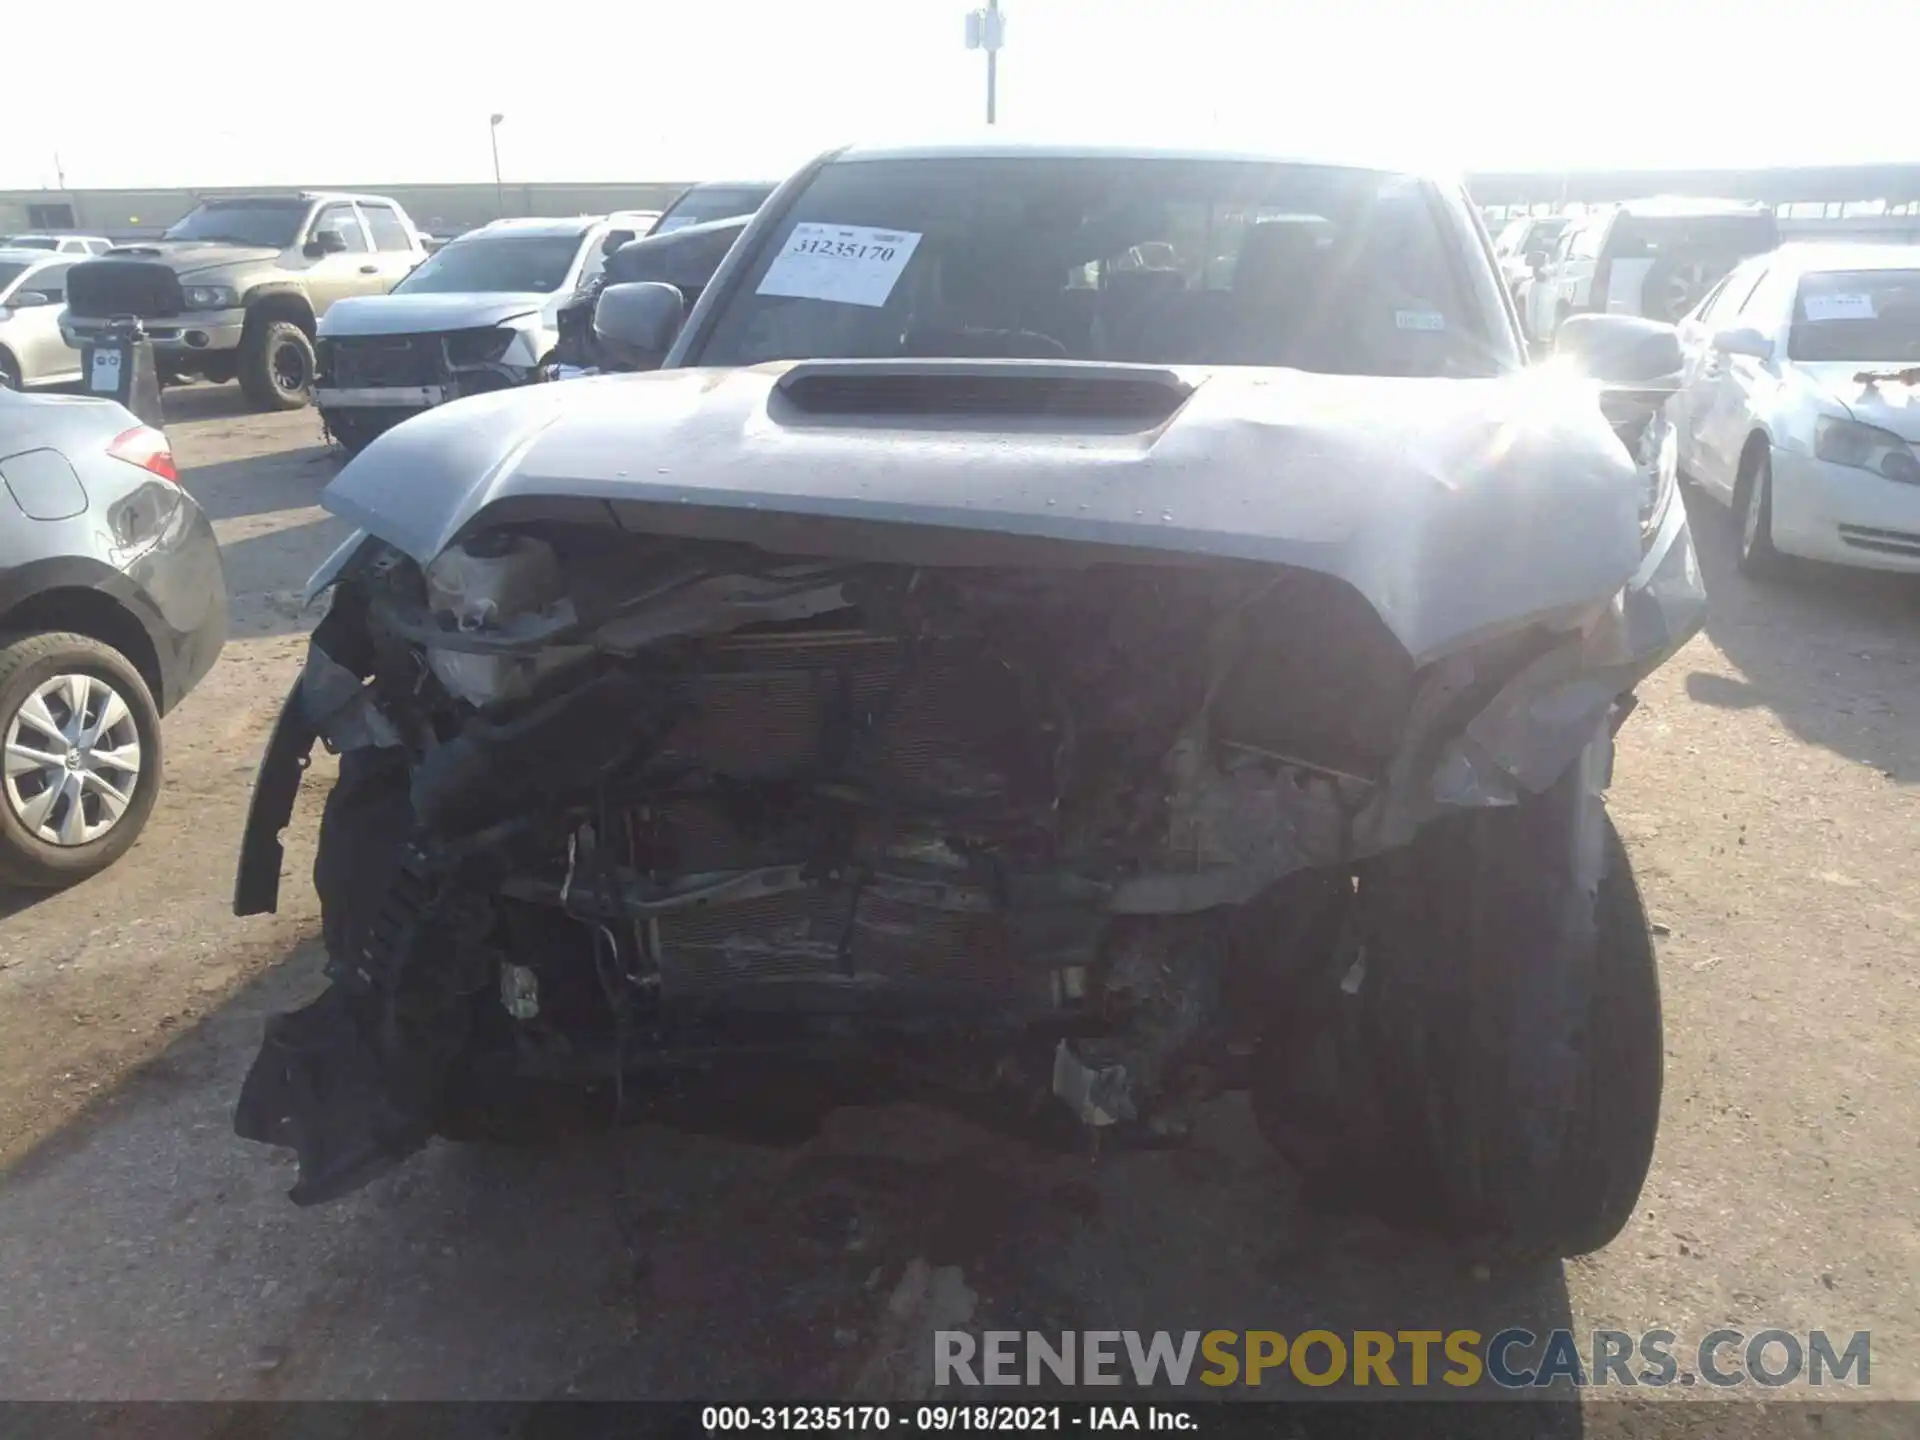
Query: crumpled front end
613,804
366,384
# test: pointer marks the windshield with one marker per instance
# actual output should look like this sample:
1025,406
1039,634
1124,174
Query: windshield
1857,315
274,224
34,242
1145,260
715,202
494,264
1512,239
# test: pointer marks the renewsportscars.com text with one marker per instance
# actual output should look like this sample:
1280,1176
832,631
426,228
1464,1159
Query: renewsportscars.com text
1513,1359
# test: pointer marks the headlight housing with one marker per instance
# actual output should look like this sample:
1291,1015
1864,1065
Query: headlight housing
210,297
479,347
1660,464
1866,447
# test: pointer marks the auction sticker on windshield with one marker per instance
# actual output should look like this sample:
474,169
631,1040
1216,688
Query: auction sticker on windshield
847,264
1839,307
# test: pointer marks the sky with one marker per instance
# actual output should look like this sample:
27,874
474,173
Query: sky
400,90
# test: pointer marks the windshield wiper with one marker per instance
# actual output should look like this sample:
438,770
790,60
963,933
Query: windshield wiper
1908,376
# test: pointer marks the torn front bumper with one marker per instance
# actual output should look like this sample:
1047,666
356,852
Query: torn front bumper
1518,742
398,397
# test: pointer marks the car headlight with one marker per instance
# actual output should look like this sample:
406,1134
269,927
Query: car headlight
1866,447
210,297
1660,465
479,347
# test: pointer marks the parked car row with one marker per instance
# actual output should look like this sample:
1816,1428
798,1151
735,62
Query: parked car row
238,289
1654,258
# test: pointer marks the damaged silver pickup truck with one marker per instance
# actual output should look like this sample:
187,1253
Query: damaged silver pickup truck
1068,633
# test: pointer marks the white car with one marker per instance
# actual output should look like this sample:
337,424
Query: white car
1800,404
59,244
32,295
481,313
1521,238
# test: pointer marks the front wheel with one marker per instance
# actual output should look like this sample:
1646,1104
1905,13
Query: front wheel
1759,560
354,430
1481,1057
276,365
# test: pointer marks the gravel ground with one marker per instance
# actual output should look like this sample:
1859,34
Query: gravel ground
1766,787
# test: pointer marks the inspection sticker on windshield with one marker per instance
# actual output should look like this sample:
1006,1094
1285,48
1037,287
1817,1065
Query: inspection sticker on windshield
1419,320
848,264
1839,307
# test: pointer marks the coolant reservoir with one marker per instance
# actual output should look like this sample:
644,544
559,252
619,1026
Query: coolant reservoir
489,582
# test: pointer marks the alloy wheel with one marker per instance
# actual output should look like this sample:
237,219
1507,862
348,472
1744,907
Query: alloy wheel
72,760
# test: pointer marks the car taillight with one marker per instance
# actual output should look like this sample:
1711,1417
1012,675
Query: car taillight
148,448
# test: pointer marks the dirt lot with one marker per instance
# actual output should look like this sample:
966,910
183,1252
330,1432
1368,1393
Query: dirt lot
1767,788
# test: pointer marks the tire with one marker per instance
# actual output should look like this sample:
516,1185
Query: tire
9,372
354,430
276,365
1674,284
1494,1078
1758,558
28,665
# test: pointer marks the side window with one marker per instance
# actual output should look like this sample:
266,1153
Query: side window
1708,306
1741,294
342,219
595,262
50,281
389,234
1584,243
1770,304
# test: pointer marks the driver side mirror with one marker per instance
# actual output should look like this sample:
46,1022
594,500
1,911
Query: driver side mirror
324,242
1536,260
1623,351
29,300
1743,341
638,321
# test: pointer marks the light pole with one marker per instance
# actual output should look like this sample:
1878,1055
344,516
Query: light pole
987,30
499,195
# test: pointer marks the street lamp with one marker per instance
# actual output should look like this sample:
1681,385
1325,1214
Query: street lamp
987,30
499,195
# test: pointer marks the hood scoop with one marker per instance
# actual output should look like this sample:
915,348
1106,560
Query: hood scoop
1137,395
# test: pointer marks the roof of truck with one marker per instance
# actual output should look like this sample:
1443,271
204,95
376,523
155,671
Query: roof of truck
988,146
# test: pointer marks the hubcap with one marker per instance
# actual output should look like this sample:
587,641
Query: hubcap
290,369
72,760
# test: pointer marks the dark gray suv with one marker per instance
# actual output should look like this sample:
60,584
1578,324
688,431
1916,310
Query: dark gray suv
112,607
